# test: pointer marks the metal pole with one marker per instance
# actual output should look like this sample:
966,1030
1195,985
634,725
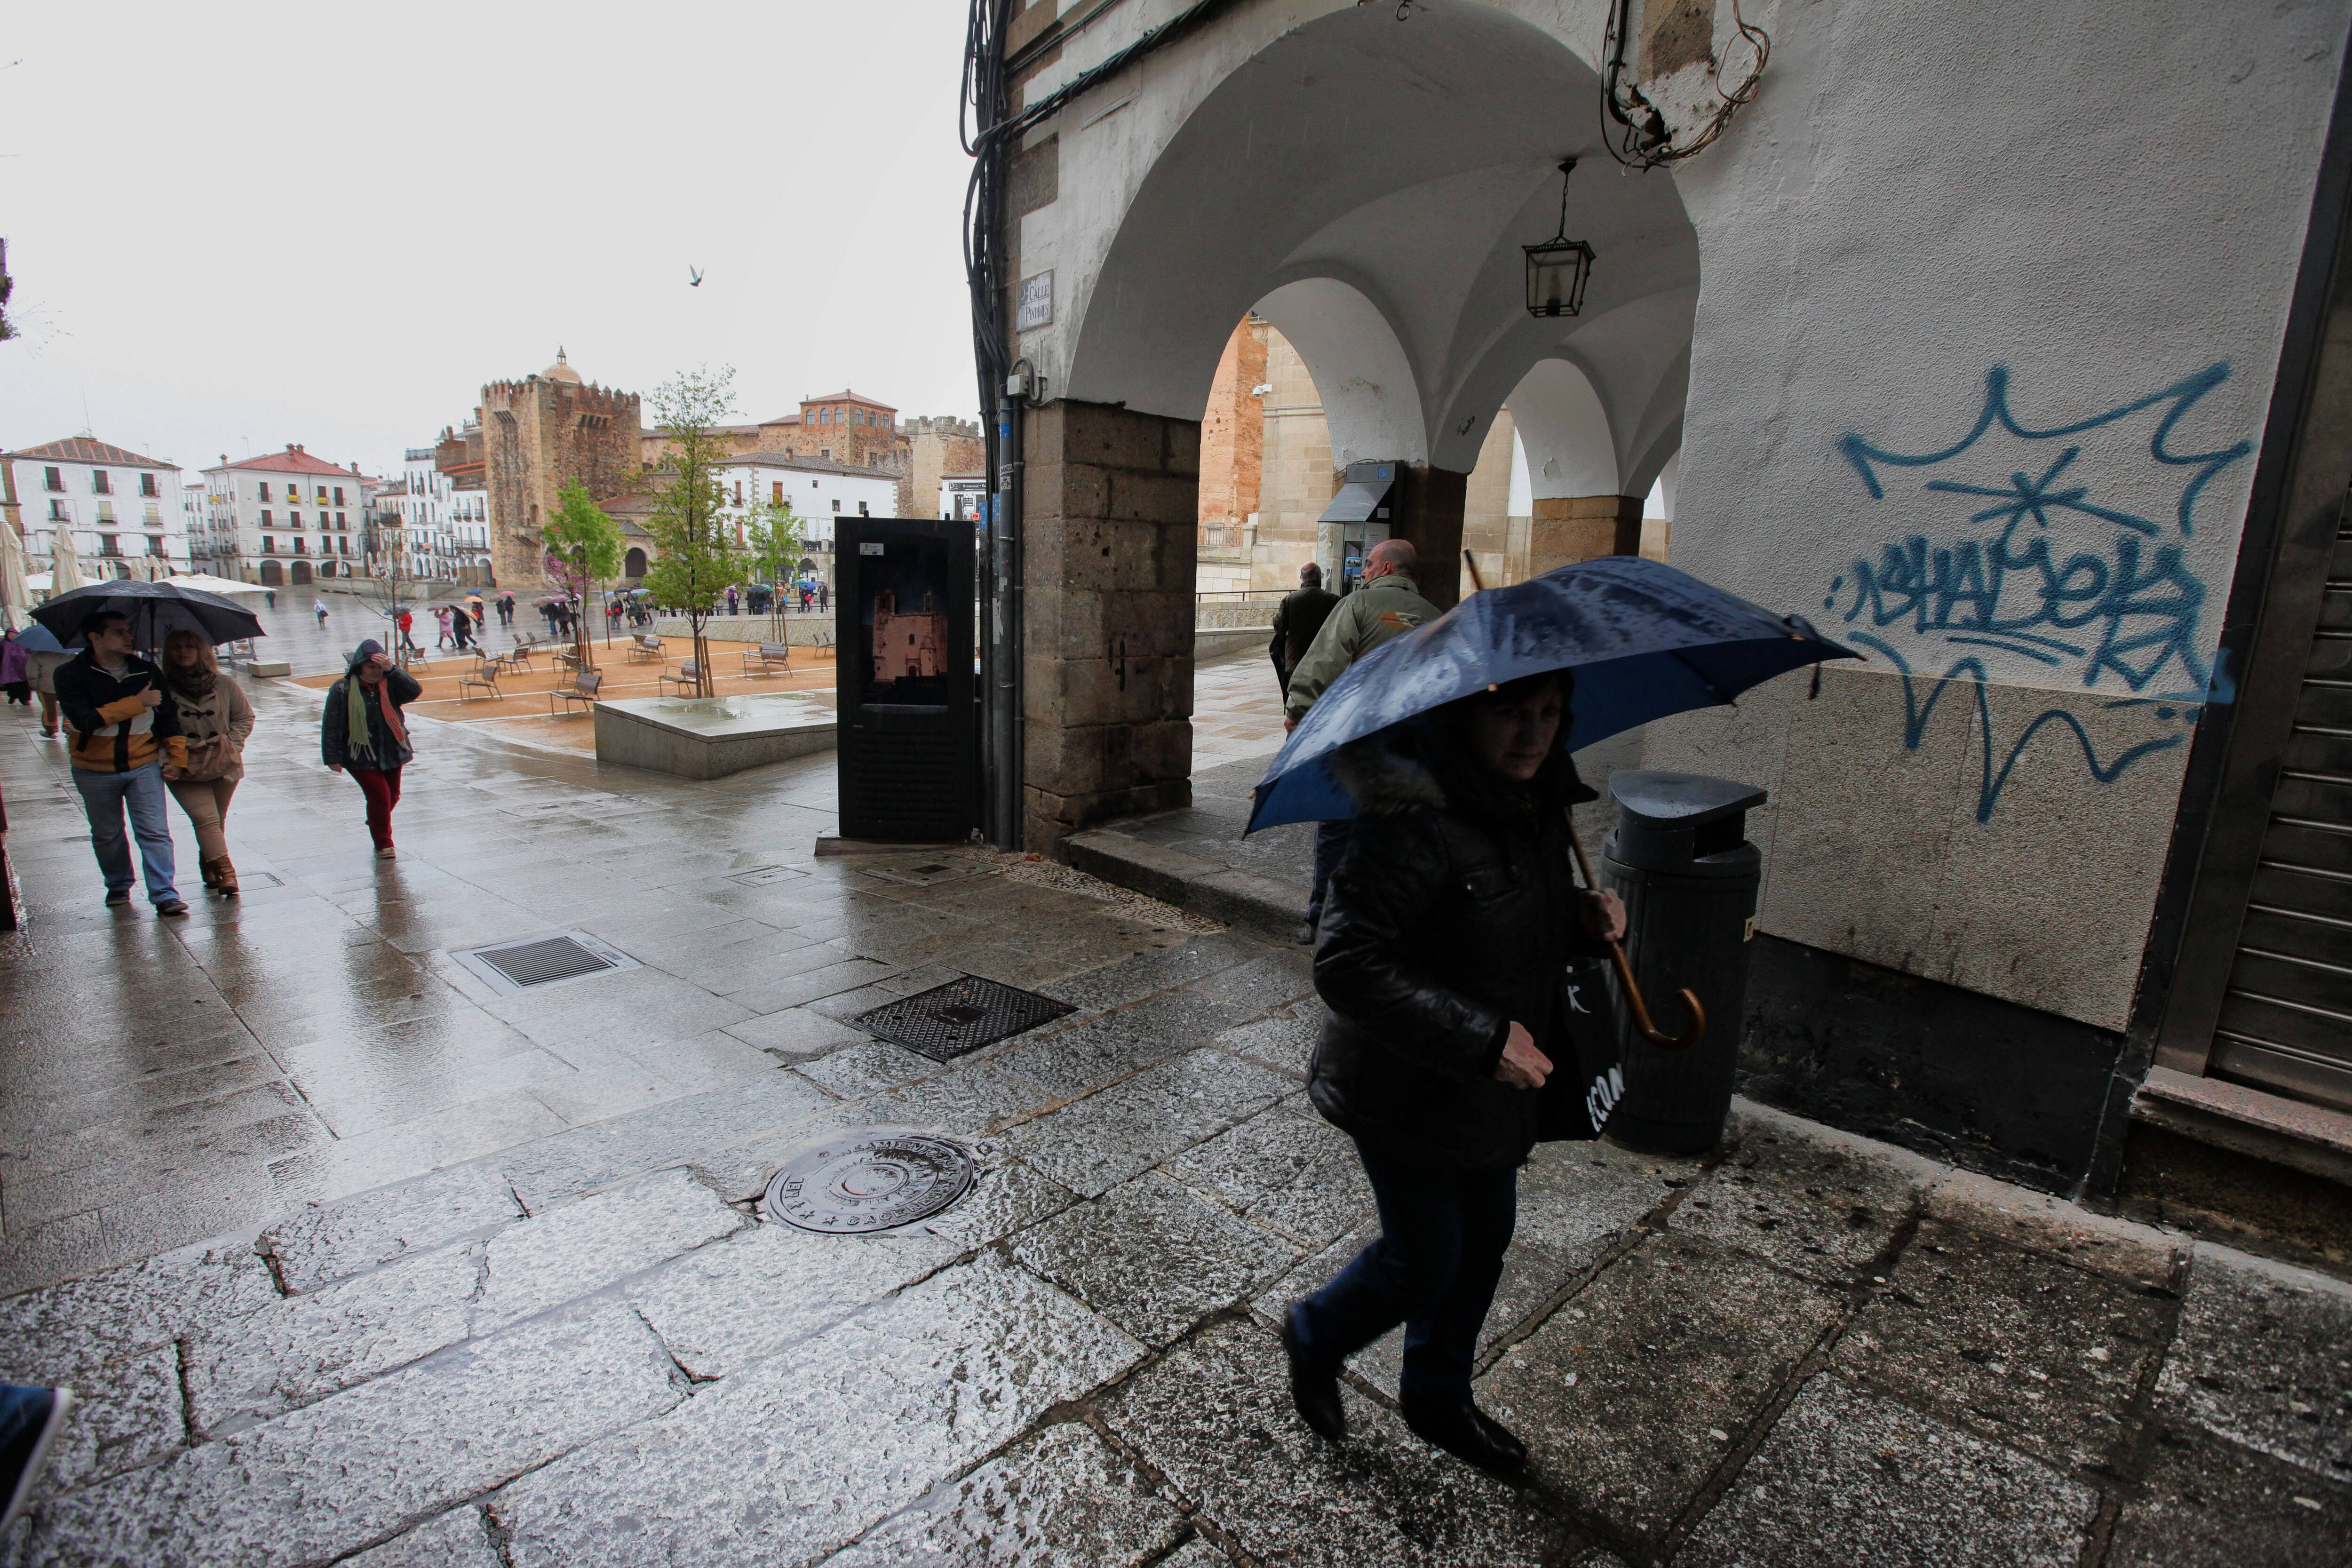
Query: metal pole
1004,674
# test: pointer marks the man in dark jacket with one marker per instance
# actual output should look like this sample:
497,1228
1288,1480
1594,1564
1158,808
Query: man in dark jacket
1300,616
123,734
1439,966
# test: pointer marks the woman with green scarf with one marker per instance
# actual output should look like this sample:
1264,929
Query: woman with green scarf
361,733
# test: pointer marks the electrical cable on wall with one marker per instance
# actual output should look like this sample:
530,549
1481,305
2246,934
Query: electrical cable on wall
1639,137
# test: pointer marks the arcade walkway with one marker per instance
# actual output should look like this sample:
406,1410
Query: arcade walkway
354,1259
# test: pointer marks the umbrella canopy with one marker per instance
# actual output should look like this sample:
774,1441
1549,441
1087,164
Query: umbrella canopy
1645,640
156,610
16,597
65,568
38,638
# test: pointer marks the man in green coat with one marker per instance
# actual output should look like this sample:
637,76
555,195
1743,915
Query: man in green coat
1386,606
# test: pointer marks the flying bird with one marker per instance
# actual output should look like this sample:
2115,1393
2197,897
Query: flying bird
697,275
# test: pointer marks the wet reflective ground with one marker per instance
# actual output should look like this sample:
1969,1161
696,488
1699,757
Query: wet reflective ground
355,1259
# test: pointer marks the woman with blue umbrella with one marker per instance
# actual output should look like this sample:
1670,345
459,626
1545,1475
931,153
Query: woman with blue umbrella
1450,926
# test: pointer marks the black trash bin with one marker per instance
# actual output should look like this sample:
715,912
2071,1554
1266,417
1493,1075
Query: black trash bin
1680,858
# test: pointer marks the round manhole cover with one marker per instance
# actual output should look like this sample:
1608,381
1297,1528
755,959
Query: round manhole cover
874,1183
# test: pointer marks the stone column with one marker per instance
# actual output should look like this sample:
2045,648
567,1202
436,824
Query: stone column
1111,518
1426,507
1568,529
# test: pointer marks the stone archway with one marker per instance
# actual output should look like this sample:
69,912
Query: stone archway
632,565
272,574
299,573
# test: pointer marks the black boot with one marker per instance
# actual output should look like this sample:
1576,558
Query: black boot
1468,1434
1315,1389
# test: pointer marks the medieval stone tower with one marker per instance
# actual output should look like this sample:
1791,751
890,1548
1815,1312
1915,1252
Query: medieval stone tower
538,435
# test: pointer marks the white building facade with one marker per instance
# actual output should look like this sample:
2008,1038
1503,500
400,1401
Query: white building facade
287,518
123,510
820,490
428,528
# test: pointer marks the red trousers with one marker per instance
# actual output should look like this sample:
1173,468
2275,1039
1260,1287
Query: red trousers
382,787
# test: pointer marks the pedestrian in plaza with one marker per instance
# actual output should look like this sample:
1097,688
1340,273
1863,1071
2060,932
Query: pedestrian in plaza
215,720
461,626
402,622
441,620
805,593
271,594
823,594
30,1419
43,668
318,609
123,732
1297,620
731,601
1444,940
361,732
15,671
1385,607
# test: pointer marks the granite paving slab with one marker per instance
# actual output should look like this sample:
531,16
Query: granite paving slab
323,1242
1288,1170
1098,1143
798,1456
1816,1208
458,1538
2263,1357
2207,1504
1849,1478
1154,1257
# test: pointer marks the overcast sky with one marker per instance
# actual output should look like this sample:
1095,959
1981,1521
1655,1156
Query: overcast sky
244,224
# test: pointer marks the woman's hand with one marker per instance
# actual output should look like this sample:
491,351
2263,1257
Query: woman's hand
173,773
1603,914
1523,1065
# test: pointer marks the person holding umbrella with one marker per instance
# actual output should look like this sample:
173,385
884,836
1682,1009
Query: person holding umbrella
215,718
15,671
362,731
123,734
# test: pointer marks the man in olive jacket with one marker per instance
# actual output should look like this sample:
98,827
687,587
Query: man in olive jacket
1387,606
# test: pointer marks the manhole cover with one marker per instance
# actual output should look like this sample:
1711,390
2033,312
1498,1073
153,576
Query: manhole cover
963,1015
925,872
874,1183
767,874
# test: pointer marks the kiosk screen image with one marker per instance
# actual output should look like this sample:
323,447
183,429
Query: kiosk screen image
904,617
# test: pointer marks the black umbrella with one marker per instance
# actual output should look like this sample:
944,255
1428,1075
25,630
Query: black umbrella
156,610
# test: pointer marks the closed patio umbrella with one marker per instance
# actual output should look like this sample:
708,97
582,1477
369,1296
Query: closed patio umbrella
16,597
65,568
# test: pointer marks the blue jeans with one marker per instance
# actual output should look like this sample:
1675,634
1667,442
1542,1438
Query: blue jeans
104,797
1330,839
1433,1269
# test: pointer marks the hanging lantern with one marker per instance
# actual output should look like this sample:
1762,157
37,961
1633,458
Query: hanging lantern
1559,267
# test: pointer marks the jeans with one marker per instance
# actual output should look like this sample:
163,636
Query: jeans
1433,1269
382,787
104,798
1330,839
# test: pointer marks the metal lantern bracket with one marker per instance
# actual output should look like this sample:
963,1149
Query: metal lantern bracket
1559,269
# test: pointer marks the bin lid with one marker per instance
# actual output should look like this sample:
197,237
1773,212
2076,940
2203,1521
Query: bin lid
1680,800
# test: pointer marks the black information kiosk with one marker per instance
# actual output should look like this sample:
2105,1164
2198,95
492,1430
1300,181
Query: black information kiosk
903,608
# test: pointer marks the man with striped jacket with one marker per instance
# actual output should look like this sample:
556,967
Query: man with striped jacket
125,734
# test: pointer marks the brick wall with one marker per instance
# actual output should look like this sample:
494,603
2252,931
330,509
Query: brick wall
1233,439
539,436
1112,512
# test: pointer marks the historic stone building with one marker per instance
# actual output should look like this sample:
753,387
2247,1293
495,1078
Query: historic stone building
856,432
538,435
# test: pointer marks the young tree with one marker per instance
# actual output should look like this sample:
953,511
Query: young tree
583,545
772,531
698,554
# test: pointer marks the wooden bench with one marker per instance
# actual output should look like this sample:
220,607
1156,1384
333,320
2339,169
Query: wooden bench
485,676
581,689
688,676
771,656
568,659
643,648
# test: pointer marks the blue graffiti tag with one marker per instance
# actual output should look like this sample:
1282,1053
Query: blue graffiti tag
2128,612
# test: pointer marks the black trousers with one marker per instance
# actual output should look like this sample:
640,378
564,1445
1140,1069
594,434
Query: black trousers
1433,1269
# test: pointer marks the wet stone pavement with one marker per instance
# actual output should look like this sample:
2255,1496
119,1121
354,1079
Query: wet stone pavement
354,1259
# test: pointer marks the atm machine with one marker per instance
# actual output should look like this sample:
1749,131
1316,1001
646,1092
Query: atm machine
1357,518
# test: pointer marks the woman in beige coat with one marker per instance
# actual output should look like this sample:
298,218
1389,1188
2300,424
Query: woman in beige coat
215,718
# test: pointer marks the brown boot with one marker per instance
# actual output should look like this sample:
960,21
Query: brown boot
224,877
211,868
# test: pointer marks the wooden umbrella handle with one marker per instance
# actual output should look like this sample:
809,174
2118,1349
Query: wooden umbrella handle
1696,1031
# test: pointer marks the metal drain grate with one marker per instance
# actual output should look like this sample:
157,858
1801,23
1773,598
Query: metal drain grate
963,1015
767,875
533,963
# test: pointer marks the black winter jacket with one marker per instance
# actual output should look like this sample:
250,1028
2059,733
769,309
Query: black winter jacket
335,724
1450,916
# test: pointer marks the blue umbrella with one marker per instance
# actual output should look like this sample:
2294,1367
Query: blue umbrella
1645,640
38,638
